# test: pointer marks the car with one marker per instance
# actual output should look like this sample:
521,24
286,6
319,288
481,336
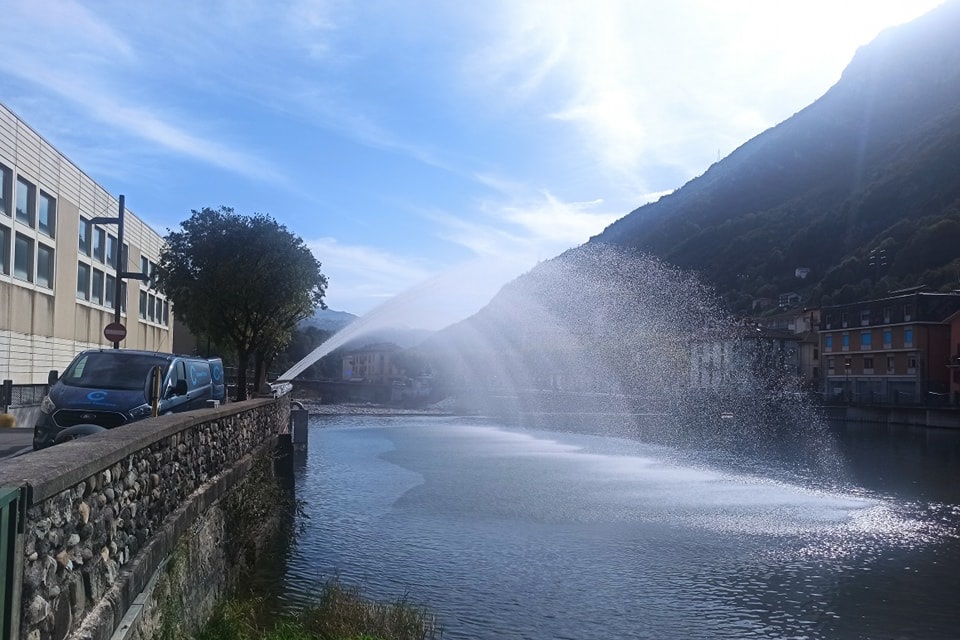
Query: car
106,388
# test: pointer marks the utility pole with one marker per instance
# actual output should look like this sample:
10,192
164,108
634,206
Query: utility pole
121,274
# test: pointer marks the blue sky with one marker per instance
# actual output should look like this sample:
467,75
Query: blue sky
442,146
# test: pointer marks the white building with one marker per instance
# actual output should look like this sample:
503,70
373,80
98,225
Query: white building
57,270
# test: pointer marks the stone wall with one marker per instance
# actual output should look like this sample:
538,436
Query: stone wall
105,511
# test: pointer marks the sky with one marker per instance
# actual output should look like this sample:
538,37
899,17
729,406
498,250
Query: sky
427,151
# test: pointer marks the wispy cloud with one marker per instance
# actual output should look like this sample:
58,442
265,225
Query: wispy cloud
83,60
361,275
523,227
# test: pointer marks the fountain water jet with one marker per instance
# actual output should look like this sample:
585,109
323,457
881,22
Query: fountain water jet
432,304
614,340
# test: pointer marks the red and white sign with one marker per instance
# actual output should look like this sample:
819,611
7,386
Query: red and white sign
114,332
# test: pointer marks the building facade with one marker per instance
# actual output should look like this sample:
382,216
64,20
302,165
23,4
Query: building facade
374,364
893,350
803,324
58,271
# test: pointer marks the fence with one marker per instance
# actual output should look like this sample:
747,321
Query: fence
26,395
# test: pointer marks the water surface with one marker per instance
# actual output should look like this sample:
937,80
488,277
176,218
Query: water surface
506,532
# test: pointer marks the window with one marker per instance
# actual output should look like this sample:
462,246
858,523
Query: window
868,365
5,177
887,338
99,244
166,313
912,364
143,305
26,197
112,251
845,338
828,343
23,258
48,215
84,243
110,292
865,340
123,296
4,250
45,265
889,364
886,315
151,308
907,312
843,319
865,317
96,293
908,337
83,281
830,364
144,265
828,321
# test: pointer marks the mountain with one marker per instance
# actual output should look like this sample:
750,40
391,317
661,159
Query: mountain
328,320
861,188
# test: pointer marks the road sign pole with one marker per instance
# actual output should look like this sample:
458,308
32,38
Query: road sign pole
120,266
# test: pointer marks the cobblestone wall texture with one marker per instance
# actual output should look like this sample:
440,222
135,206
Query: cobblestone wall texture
80,540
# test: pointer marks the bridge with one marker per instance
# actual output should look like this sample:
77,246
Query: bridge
106,536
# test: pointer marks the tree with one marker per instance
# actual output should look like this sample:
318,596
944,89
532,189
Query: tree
243,281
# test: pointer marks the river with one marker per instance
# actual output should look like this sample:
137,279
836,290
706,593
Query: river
506,532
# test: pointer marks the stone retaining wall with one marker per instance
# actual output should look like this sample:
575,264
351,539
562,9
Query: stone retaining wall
105,510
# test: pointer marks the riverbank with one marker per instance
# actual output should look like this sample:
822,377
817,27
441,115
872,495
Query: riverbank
340,612
315,408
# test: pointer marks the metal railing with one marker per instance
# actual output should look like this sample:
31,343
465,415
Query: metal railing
12,505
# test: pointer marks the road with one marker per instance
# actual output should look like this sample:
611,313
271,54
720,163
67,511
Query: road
14,442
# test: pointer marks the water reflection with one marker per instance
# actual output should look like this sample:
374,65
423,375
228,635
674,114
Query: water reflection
508,532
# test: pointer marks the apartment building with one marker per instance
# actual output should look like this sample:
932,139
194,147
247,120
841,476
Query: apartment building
58,270
892,350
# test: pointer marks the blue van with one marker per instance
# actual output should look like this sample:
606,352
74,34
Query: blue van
105,388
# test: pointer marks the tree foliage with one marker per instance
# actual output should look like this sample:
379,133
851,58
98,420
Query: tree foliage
243,281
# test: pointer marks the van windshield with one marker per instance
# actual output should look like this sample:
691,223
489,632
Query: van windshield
111,370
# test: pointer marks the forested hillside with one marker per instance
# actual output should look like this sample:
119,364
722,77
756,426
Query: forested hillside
870,169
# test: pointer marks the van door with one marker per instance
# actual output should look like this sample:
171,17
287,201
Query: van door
199,382
178,377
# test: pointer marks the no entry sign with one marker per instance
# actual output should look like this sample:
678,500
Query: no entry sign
114,332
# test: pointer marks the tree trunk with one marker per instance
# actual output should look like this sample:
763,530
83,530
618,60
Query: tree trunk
243,359
260,366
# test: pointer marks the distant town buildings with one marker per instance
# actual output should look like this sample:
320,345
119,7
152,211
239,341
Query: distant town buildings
374,364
